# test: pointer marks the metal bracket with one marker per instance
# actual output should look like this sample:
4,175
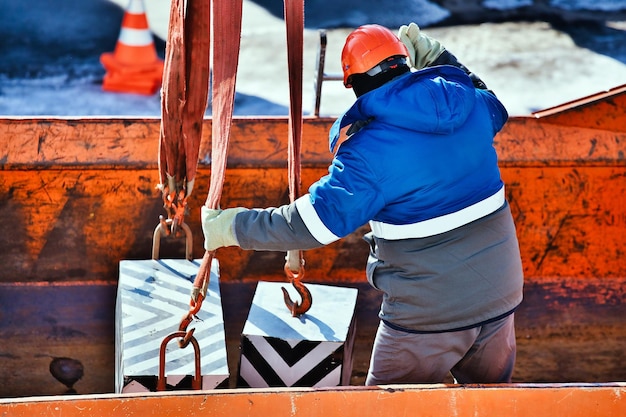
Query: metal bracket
321,76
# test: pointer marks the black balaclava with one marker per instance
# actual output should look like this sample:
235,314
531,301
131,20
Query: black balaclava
364,83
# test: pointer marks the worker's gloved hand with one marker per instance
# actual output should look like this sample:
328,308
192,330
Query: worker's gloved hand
423,50
217,226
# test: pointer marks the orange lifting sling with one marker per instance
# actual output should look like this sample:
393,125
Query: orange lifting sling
185,91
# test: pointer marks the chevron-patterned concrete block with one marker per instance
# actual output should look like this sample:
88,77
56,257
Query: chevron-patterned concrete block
152,298
315,350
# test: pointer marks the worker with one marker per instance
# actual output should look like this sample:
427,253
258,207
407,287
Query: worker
419,166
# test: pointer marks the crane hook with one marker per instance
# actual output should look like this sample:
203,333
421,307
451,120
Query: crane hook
297,308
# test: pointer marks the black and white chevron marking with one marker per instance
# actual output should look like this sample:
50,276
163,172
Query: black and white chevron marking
272,362
315,350
153,296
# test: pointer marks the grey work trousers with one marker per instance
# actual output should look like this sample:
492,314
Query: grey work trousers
484,354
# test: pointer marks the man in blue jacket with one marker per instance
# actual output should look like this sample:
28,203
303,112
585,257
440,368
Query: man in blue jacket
419,166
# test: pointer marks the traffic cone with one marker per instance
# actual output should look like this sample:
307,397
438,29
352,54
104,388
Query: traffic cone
134,66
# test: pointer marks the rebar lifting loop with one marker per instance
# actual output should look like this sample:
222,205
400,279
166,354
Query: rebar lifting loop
162,230
297,308
189,338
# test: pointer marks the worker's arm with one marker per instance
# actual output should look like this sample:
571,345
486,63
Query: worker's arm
276,229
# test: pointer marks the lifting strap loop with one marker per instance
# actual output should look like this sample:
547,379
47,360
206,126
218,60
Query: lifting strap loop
183,102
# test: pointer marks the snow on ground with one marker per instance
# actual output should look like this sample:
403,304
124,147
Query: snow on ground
52,61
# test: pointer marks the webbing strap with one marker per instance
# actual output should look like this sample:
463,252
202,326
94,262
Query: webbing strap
197,56
226,45
294,22
227,34
174,86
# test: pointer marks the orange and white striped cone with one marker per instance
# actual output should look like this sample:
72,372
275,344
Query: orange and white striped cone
134,66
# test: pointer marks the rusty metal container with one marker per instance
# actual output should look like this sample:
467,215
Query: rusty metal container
77,196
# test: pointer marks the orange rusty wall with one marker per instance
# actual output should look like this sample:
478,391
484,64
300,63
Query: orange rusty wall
78,224
566,185
79,195
570,220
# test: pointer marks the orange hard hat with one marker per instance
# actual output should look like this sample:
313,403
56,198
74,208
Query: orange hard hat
366,47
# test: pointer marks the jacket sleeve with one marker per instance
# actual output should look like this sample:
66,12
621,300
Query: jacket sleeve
274,229
350,195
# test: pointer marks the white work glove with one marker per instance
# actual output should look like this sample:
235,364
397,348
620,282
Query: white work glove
423,50
217,226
